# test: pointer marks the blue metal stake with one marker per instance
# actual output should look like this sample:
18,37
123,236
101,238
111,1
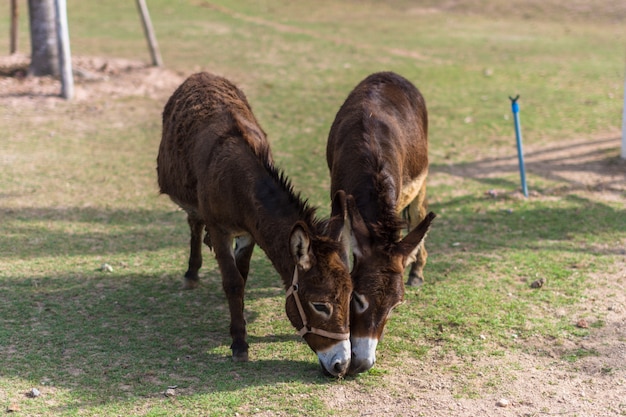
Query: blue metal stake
518,136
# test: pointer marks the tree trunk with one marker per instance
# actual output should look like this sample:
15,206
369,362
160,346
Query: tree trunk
43,38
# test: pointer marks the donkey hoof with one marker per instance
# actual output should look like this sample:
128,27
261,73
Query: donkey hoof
240,356
415,281
190,284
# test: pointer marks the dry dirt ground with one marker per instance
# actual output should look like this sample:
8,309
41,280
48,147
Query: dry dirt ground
532,384
539,383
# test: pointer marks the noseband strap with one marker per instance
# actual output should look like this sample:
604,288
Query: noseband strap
293,290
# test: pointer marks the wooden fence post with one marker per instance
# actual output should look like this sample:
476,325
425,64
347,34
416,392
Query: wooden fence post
14,15
149,31
624,125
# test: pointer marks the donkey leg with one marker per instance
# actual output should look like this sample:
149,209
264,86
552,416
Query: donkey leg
196,227
233,284
244,246
417,213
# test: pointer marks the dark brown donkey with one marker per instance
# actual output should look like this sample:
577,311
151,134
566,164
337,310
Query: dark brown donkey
215,162
377,153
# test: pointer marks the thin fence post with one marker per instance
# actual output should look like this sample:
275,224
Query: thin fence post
518,137
624,125
14,15
149,31
65,57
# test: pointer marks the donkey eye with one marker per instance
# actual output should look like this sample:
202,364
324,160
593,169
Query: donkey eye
323,308
360,302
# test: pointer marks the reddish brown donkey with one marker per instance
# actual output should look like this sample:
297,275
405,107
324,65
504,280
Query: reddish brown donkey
215,162
377,153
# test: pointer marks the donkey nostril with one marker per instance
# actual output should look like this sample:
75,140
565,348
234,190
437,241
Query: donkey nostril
340,367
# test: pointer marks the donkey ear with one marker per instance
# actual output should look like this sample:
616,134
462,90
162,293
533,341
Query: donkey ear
300,246
339,211
409,246
359,234
338,226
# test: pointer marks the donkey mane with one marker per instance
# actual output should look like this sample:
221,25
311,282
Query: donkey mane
305,210
388,226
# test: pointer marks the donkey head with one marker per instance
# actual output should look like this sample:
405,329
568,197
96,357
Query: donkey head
377,277
318,301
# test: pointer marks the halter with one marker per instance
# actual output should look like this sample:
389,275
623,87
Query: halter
293,290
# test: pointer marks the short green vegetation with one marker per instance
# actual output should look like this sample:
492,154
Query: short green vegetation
91,257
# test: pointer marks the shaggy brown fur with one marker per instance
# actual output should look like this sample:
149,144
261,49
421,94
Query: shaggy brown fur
377,152
215,162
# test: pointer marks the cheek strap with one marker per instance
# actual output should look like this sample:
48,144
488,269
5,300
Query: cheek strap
293,290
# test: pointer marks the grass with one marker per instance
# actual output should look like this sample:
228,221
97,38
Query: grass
78,189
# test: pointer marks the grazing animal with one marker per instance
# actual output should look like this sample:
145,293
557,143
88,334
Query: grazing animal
377,153
215,162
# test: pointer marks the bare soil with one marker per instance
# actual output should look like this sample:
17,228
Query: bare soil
94,78
536,383
533,381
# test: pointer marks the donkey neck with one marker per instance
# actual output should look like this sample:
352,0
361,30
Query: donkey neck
375,187
278,209
365,166
275,243
375,197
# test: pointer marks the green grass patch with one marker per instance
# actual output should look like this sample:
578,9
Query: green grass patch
78,190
